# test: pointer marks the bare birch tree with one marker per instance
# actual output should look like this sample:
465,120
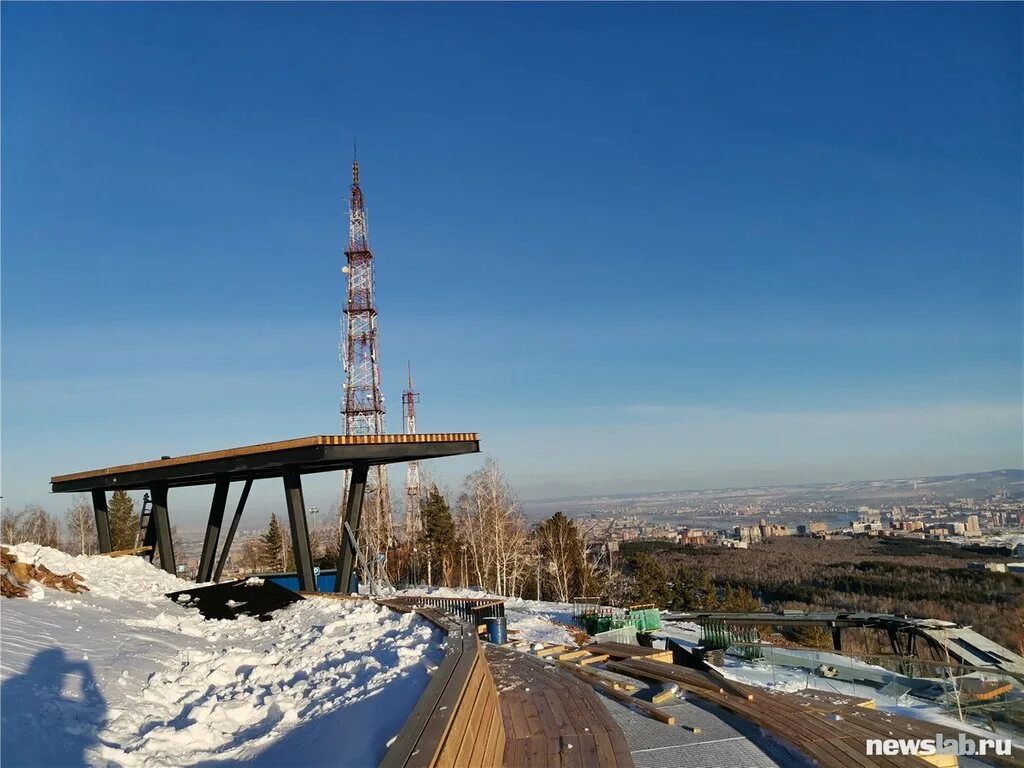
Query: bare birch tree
81,525
494,532
376,532
559,543
31,524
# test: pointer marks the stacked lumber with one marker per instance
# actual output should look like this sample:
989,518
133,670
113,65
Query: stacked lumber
581,656
628,651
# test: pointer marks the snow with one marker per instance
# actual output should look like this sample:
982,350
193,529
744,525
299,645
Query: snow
534,621
122,675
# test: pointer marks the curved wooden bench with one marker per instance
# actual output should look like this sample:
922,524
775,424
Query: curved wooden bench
456,721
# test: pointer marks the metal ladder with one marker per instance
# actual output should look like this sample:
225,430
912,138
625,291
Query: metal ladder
145,536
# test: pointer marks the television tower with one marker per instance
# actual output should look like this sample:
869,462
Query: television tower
412,471
362,402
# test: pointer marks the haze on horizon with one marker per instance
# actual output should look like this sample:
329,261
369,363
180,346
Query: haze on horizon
762,244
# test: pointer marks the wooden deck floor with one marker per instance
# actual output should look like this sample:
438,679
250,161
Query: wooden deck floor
832,733
550,718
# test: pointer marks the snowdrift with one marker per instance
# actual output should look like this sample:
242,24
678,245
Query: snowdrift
122,675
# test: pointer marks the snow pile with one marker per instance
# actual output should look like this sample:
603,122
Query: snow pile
119,577
24,579
122,675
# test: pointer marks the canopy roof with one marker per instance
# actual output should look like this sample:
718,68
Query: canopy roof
318,453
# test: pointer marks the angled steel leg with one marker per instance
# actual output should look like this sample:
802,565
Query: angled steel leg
231,531
300,533
353,510
163,528
213,525
99,508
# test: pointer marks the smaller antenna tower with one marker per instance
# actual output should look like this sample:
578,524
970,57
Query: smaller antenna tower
413,489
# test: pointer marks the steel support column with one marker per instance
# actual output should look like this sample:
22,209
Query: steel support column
231,530
162,523
300,533
837,638
99,508
894,641
353,511
213,526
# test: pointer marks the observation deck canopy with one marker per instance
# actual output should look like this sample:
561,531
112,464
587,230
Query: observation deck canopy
287,459
319,453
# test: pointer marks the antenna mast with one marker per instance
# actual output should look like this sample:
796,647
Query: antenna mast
413,489
362,405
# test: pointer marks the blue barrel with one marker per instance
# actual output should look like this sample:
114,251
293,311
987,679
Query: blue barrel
497,631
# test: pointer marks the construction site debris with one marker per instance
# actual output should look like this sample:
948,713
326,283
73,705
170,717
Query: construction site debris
16,577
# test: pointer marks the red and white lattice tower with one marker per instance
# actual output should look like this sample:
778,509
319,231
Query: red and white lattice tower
413,489
362,405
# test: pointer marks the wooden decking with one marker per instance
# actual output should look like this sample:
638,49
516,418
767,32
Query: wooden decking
830,731
550,718
489,706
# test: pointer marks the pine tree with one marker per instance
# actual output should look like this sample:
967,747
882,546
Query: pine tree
650,582
739,600
693,589
273,544
437,539
124,524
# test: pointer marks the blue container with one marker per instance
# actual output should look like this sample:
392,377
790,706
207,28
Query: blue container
497,629
324,580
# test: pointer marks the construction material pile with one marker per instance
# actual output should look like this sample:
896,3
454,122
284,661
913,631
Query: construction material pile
16,577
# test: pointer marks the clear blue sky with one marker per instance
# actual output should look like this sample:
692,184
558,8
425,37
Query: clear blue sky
636,247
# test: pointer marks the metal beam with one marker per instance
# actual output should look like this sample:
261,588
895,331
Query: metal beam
300,533
99,508
353,511
231,531
158,494
213,525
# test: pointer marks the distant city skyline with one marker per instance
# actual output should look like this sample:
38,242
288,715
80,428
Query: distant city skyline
761,244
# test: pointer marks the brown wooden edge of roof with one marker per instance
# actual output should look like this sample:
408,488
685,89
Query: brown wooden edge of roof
280,445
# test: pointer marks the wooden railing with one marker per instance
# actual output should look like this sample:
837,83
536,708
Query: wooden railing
457,721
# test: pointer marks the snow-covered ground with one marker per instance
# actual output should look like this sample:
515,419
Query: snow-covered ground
533,620
121,675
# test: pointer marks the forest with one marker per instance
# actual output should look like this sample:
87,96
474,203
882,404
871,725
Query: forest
902,576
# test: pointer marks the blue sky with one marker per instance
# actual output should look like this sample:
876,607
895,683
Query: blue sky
636,247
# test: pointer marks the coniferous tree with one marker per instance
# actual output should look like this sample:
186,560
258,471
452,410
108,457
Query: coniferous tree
273,545
693,589
124,524
437,539
650,582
